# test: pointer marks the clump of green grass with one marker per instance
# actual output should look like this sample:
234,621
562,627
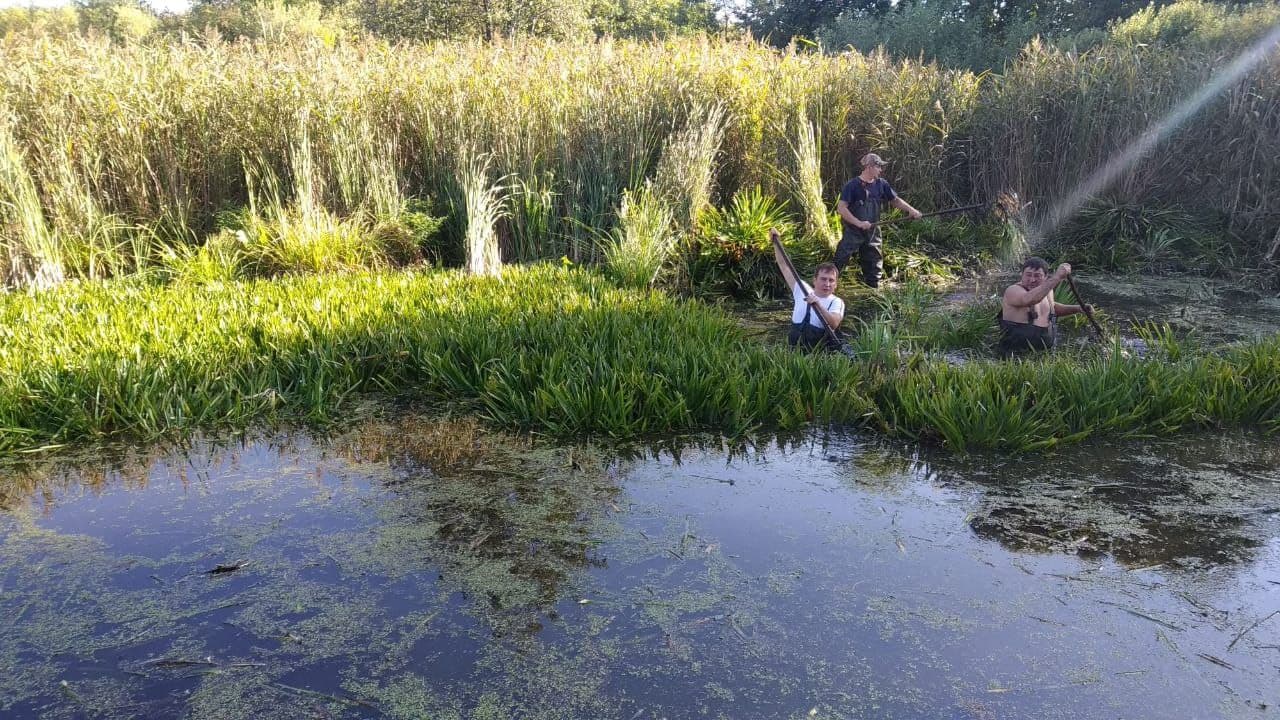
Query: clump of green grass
808,188
222,259
297,235
1113,234
642,241
483,207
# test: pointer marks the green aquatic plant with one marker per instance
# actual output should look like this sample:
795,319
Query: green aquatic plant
733,255
637,248
558,351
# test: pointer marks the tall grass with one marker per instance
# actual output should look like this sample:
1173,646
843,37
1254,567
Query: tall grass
808,188
686,173
483,206
171,124
1102,100
33,251
160,132
637,248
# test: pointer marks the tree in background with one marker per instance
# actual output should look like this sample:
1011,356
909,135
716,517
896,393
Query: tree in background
272,19
1049,17
976,34
39,21
438,19
651,18
781,20
121,20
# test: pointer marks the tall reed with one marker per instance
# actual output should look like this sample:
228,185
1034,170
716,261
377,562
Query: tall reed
159,131
33,251
483,206
636,249
685,177
808,188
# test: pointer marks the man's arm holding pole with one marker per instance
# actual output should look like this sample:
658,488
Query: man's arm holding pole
905,207
1018,296
778,257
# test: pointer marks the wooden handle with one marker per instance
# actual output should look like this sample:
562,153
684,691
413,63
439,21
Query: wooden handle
1087,312
777,244
935,213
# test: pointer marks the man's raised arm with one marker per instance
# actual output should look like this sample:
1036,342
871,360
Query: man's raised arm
1018,296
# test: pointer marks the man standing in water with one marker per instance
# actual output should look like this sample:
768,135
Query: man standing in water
1028,314
859,211
813,305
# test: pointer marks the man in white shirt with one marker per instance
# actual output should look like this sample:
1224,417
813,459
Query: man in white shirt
816,308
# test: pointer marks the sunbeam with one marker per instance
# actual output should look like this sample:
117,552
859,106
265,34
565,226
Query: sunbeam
1104,176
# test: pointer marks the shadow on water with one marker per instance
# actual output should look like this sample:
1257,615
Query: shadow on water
416,568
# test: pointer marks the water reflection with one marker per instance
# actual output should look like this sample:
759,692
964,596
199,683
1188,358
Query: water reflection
505,519
485,501
412,567
1191,501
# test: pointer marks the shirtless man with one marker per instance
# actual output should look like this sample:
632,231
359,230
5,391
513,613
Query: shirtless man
1028,314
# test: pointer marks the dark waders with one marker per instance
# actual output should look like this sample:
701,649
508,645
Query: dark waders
1018,338
806,335
867,245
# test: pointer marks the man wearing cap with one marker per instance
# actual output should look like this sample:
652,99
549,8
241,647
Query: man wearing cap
859,210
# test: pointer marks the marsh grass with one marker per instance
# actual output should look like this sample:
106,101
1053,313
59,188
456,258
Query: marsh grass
561,352
166,135
161,131
482,207
641,243
808,188
34,251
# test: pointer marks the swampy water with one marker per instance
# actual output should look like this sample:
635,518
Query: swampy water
422,569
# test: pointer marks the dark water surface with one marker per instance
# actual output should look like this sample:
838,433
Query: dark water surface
416,569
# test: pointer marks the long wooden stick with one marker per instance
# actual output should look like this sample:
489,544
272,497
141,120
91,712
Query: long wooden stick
935,213
1087,312
831,332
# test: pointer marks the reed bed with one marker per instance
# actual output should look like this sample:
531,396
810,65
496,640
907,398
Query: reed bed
1055,118
164,135
112,155
556,351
